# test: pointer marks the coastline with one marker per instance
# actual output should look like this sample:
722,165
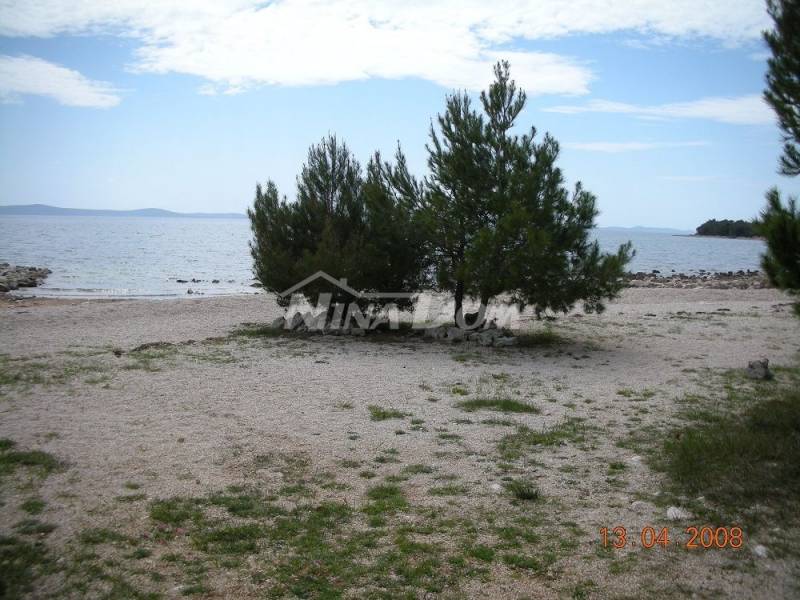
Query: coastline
26,291
719,237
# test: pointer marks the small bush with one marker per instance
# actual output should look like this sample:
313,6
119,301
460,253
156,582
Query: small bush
506,405
523,490
378,413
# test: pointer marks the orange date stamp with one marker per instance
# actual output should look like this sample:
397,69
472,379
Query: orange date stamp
704,538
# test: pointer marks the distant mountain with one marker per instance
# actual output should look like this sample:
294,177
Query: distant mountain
46,210
641,229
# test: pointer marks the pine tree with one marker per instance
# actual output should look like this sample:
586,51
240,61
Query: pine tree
500,218
783,78
362,229
780,226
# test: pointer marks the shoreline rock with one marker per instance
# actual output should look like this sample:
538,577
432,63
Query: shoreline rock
15,277
742,280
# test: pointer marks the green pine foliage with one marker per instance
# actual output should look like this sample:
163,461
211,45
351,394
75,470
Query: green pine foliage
493,217
353,225
780,226
499,216
783,78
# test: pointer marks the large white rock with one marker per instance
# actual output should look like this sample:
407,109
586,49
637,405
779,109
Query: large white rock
675,513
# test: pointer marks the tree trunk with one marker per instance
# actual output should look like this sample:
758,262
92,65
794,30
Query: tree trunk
458,315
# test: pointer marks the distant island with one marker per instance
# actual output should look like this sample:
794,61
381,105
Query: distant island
57,211
728,228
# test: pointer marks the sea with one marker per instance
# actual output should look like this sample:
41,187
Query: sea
93,256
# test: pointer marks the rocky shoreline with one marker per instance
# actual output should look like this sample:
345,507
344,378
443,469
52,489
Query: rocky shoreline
741,280
14,277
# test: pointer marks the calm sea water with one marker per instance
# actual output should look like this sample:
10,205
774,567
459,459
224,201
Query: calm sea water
145,256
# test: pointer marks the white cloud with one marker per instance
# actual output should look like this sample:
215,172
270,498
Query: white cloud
742,110
24,75
236,44
616,147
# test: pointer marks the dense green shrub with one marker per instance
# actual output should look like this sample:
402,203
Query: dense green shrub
727,228
352,225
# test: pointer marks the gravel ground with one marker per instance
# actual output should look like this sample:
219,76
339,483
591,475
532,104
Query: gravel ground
192,418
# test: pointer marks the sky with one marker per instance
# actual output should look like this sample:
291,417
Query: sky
186,104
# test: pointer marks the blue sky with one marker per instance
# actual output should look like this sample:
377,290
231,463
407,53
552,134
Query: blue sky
185,105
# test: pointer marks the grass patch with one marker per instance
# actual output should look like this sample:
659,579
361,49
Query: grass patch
11,460
740,462
515,445
616,467
243,504
96,536
33,506
385,499
506,405
34,527
229,539
176,511
448,490
378,413
416,469
21,562
523,490
481,552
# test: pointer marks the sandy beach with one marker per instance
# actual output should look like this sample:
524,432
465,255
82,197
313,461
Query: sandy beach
208,409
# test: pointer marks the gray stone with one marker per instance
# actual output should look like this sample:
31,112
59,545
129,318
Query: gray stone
456,334
487,338
279,323
358,331
758,369
505,341
436,333
640,506
760,551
